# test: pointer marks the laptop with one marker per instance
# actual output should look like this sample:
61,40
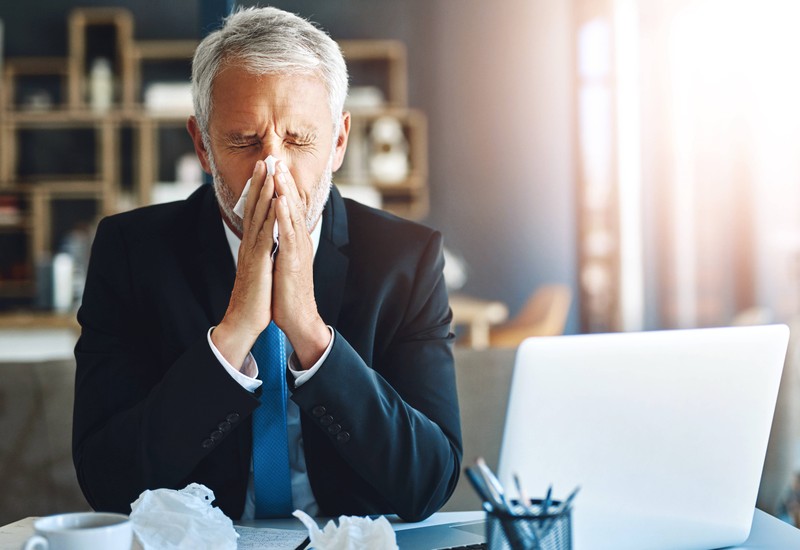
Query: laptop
665,432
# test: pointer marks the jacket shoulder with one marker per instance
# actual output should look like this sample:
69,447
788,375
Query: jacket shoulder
159,218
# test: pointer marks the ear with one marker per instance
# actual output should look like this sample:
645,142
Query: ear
341,141
199,147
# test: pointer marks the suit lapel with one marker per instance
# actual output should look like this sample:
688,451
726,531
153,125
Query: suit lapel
213,264
330,263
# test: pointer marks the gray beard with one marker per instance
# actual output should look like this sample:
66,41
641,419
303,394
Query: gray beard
317,197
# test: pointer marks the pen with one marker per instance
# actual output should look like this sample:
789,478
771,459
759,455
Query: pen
547,500
493,483
480,486
567,502
524,501
303,545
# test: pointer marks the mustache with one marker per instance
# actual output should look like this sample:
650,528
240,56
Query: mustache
315,203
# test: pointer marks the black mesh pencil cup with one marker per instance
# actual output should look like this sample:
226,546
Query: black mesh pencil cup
531,529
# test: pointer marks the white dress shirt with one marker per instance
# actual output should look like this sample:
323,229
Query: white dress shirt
302,496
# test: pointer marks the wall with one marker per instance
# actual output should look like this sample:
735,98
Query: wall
495,83
502,144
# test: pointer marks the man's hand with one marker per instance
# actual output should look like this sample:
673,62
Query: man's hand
294,307
249,309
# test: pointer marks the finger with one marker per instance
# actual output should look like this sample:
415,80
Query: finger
292,190
258,207
288,235
256,181
266,195
297,208
289,188
265,234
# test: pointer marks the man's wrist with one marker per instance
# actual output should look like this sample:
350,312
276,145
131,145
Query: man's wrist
230,343
312,343
302,376
246,375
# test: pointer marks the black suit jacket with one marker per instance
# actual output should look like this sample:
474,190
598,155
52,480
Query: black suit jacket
154,408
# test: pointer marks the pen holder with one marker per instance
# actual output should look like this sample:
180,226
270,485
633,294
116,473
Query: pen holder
531,530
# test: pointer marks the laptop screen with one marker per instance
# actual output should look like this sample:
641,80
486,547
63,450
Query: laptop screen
665,432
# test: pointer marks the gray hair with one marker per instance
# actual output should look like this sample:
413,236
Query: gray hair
268,41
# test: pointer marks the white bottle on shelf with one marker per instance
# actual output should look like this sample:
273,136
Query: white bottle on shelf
63,266
101,85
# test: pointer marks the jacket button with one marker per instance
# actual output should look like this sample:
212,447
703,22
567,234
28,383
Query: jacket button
344,437
207,443
232,418
334,429
224,426
326,420
318,411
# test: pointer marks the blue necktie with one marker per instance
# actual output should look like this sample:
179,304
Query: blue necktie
271,476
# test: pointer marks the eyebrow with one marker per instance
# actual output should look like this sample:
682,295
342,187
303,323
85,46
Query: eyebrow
304,134
237,138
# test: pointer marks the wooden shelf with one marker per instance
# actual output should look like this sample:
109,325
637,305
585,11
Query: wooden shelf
17,289
80,20
390,52
17,227
38,320
68,117
16,67
128,117
150,51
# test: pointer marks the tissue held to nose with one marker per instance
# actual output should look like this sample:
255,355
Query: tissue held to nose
239,208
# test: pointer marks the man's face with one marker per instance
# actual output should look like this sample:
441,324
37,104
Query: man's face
287,116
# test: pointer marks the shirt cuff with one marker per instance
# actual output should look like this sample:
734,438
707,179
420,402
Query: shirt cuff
302,376
247,376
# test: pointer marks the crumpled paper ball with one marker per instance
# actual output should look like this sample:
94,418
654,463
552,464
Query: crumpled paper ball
352,533
166,519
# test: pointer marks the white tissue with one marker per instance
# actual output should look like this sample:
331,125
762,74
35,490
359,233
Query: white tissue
353,533
238,209
166,519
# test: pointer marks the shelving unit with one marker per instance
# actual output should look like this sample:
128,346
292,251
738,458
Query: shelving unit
387,58
123,170
17,68
408,198
391,54
81,22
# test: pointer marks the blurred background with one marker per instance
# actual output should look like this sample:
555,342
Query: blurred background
594,165
639,153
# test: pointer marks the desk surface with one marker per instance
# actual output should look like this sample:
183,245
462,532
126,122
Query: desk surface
768,533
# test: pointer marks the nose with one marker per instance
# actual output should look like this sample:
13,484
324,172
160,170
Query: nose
271,145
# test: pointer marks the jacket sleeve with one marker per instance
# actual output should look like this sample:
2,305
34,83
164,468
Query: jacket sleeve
396,422
137,424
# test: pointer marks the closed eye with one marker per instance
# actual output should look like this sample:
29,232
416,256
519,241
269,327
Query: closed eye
300,138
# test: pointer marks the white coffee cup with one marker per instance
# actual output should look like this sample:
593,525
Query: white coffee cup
82,531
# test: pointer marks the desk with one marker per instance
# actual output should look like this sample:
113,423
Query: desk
29,337
478,315
768,533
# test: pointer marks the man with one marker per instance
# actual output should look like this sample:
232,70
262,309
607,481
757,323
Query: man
177,295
